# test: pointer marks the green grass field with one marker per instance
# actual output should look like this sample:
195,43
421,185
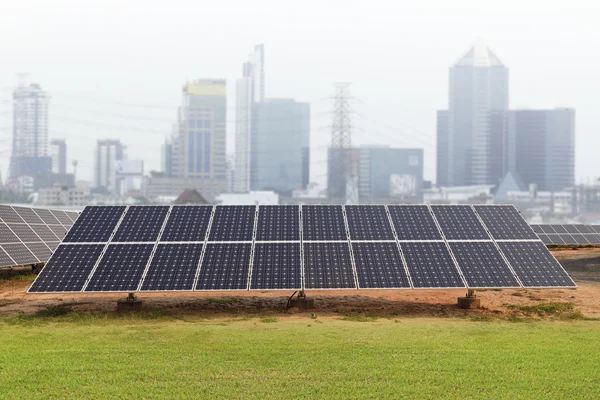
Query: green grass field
76,356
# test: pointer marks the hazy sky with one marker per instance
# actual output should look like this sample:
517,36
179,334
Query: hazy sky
115,68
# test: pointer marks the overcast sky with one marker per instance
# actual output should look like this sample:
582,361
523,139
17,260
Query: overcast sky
114,68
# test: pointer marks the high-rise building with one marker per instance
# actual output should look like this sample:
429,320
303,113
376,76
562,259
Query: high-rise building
442,147
58,153
280,146
30,132
541,147
478,90
249,90
108,154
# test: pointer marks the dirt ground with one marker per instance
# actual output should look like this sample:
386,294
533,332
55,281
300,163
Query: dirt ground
583,265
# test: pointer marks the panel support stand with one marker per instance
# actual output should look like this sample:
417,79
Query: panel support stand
469,301
130,303
301,302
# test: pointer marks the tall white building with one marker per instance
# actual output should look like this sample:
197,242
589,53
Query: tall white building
30,152
250,89
58,153
108,154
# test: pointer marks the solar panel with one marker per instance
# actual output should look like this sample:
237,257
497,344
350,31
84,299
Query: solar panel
596,228
323,223
482,265
556,239
567,239
44,232
62,217
539,228
379,265
68,269
430,265
24,232
47,216
534,265
579,238
328,266
459,223
52,245
225,267
278,223
7,214
121,268
276,266
593,238
173,267
39,250
571,229
505,222
547,229
6,235
187,224
60,232
559,228
28,215
232,224
414,223
368,223
545,238
141,224
5,260
95,224
20,253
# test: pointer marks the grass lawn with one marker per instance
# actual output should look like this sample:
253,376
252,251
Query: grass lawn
295,357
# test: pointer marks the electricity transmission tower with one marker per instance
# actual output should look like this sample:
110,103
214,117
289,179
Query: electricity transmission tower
342,174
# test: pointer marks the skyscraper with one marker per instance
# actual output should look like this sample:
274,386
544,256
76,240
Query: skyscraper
30,131
108,153
58,153
280,146
249,90
478,90
541,147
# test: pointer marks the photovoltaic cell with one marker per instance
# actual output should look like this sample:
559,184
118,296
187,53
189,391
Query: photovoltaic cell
369,223
557,239
538,229
62,217
72,215
68,269
40,250
52,245
414,223
141,224
44,233
225,267
505,222
47,216
7,214
276,266
459,223
6,235
430,265
121,268
24,232
20,253
482,265
567,239
60,232
173,267
95,224
187,224
558,228
232,224
28,215
579,238
278,223
593,238
379,265
5,260
534,265
545,238
324,223
328,266
547,229
570,229
596,228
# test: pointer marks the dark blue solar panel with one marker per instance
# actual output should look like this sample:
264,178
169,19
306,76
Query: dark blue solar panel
505,222
323,223
414,223
482,265
276,266
121,268
379,265
278,223
430,265
95,224
20,253
225,267
534,265
68,268
173,267
328,266
232,224
369,223
459,223
187,224
141,224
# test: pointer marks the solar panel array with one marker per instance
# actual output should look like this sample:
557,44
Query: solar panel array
30,235
167,248
568,234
